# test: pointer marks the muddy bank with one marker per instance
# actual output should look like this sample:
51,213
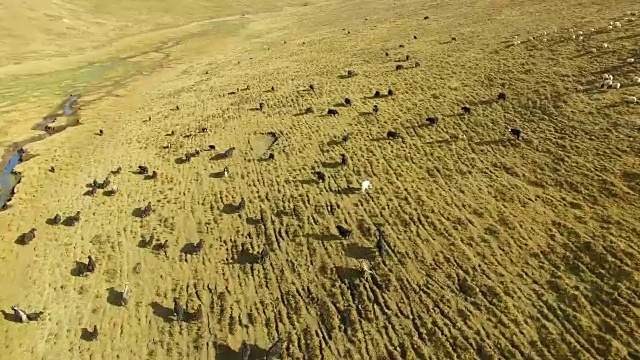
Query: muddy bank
16,154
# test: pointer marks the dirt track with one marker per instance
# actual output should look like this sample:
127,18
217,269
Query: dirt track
498,249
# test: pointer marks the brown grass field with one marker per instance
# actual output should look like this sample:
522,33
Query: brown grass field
496,248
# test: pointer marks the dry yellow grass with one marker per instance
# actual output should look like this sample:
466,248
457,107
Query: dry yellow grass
497,249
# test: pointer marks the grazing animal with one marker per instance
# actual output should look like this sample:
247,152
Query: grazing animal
204,130
401,46
517,133
91,265
261,106
211,147
100,132
272,156
178,309
52,169
117,171
106,182
74,219
57,219
245,350
466,110
229,152
309,110
332,112
399,67
417,64
377,94
93,335
154,175
126,294
225,171
415,37
376,109
390,92
407,58
345,138
366,185
198,314
386,54
95,183
347,102
20,314
344,160
198,247
393,135
164,247
242,205
114,190
93,191
264,254
453,38
502,96
275,351
320,176
147,210
432,120
311,87
351,73
143,170
344,232
273,89
187,156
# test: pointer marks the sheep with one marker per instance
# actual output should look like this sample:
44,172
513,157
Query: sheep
147,210
261,106
605,45
615,85
52,170
347,102
617,24
242,205
392,135
344,232
74,219
116,171
225,171
264,255
399,67
407,58
320,176
57,219
366,185
345,138
332,112
178,309
381,244
390,92
417,64
632,100
28,236
432,120
271,156
415,37
143,170
344,160
376,109
377,94
466,110
273,89
607,83
93,335
636,79
351,73
312,87
101,132
229,152
456,137
630,60
309,110
502,96
126,294
517,133
453,38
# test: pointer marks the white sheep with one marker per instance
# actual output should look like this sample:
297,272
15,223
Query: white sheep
607,83
605,77
605,45
615,85
580,32
630,60
632,100
366,185
617,24
636,79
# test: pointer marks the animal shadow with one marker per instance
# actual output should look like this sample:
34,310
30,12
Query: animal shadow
162,311
218,157
189,249
88,193
493,142
78,268
68,221
19,240
349,190
254,109
138,212
50,221
324,237
342,105
483,102
348,274
86,335
230,209
355,251
334,142
9,316
114,296
246,257
180,160
252,221
331,165
217,175
343,76
108,193
224,352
